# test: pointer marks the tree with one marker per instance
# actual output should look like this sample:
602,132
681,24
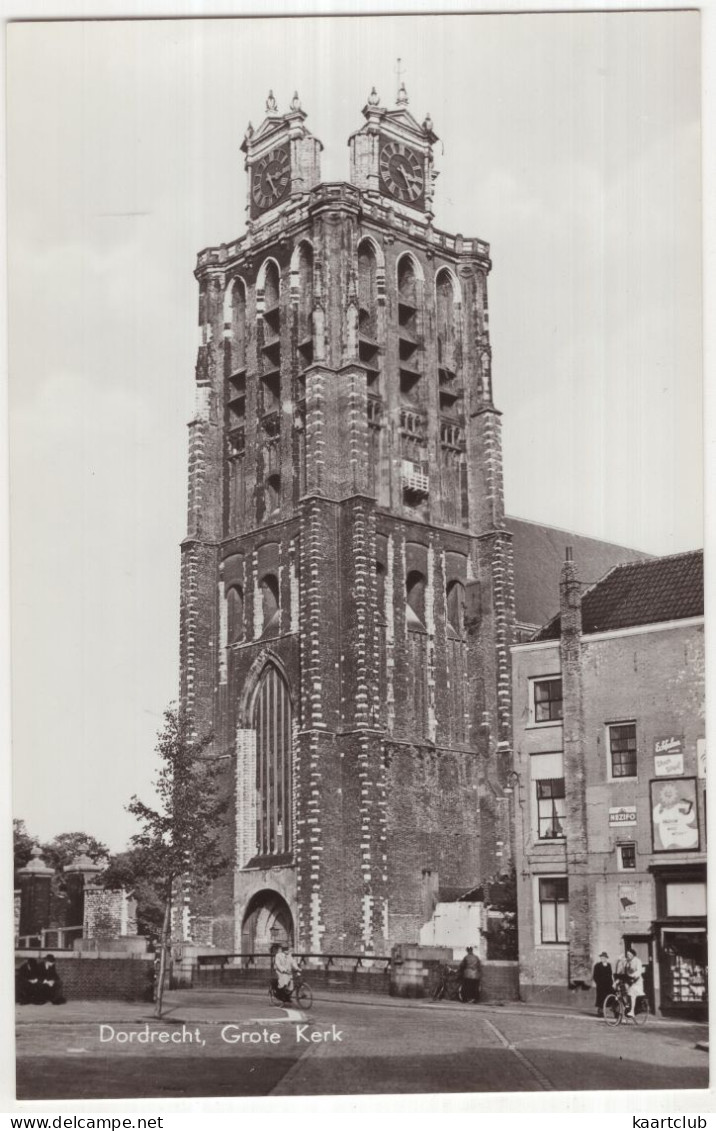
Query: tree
180,839
66,847
22,844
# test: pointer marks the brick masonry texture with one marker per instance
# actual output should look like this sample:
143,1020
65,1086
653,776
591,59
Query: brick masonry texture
324,346
106,979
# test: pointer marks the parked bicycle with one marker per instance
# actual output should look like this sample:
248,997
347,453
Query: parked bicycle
617,1008
299,993
448,987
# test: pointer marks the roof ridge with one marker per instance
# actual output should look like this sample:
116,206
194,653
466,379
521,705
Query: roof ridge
654,561
647,554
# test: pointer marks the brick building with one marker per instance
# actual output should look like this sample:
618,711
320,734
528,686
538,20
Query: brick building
347,602
609,782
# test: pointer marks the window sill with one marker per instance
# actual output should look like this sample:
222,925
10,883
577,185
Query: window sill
541,726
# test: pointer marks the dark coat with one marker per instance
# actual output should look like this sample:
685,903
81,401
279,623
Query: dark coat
27,982
604,980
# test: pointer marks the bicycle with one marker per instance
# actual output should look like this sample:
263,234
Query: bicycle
617,1008
446,988
300,993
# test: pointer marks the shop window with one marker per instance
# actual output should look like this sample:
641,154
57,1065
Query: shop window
547,700
553,908
235,600
622,750
626,857
551,808
684,967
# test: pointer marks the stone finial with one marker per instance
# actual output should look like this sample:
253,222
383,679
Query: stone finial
36,866
295,101
373,99
402,99
271,104
428,124
84,864
249,132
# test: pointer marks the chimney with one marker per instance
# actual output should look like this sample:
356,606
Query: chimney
570,599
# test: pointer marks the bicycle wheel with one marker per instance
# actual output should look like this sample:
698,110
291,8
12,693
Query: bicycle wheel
304,997
439,991
612,1010
641,1011
272,994
461,992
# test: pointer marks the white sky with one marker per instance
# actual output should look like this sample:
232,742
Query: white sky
571,144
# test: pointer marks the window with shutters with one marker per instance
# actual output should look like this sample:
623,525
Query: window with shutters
273,725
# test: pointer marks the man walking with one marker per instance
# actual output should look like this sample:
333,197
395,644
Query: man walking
470,974
603,979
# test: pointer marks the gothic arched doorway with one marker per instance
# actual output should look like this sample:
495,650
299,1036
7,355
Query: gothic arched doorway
268,920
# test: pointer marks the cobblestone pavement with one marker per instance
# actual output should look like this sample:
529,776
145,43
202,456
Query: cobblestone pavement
214,1043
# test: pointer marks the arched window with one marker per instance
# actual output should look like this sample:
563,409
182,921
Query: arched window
445,300
235,601
273,726
415,599
367,291
409,350
269,604
271,287
456,608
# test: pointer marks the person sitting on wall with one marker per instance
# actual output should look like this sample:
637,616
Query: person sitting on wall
50,982
470,974
27,982
603,979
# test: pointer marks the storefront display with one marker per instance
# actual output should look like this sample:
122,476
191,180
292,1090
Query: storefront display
684,967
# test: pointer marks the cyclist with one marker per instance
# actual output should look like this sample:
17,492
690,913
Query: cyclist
634,979
285,966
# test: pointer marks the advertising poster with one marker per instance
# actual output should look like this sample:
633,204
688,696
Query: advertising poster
674,815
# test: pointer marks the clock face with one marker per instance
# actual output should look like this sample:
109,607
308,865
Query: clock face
270,179
401,172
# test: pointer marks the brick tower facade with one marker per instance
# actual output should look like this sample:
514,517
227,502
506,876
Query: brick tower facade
347,602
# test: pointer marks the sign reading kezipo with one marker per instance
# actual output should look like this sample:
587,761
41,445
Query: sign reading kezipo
623,815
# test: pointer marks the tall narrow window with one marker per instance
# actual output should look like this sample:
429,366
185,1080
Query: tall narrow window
415,599
305,306
408,341
622,750
269,600
235,598
553,906
272,722
456,608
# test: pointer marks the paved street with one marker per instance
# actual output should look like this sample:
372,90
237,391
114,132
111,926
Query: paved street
356,1045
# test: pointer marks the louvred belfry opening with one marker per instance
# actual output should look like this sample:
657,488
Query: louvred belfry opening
272,722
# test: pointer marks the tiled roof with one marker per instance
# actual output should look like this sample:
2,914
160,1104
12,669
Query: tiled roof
538,556
634,593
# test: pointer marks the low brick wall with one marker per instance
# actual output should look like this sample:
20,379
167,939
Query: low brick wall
104,979
419,978
371,981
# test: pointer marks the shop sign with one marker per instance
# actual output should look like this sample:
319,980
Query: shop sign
628,903
674,815
623,815
668,765
701,756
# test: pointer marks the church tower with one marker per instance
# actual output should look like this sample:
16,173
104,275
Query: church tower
347,602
